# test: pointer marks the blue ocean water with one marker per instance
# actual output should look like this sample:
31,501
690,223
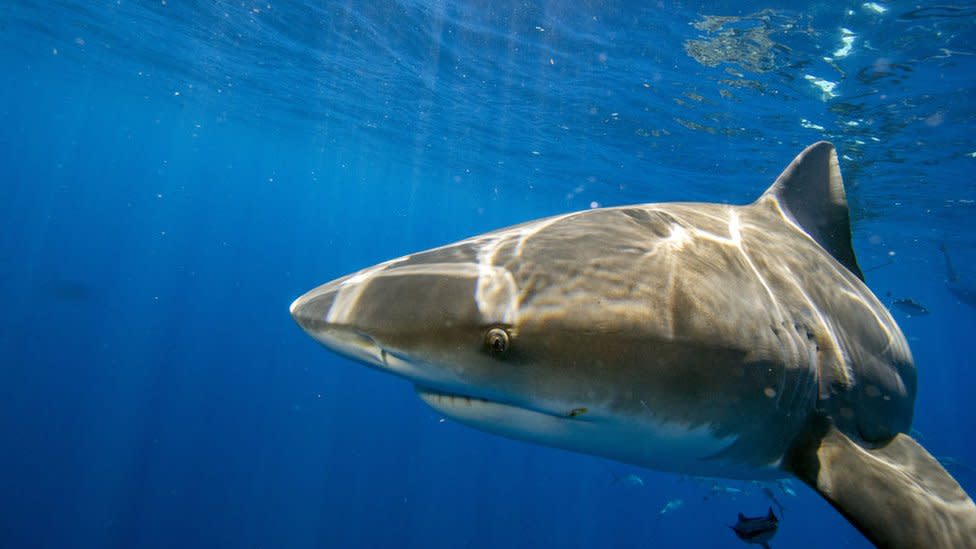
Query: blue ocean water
174,173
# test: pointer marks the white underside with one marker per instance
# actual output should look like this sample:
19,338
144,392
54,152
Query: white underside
654,445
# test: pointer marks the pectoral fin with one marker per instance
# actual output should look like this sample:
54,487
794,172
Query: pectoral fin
897,495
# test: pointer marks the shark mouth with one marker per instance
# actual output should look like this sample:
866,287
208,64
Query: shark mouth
451,399
631,440
466,408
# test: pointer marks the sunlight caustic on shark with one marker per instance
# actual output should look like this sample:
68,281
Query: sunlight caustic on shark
699,338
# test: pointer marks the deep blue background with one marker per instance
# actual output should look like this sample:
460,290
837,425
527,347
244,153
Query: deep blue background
173,174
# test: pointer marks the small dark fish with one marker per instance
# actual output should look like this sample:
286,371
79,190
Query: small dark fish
910,307
756,530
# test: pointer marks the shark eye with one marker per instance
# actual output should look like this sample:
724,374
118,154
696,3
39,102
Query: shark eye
497,341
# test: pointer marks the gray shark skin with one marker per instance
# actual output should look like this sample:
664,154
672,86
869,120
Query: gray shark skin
704,339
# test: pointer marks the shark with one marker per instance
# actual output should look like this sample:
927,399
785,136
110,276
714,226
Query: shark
735,341
962,289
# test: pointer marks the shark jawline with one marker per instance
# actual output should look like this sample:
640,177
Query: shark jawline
426,393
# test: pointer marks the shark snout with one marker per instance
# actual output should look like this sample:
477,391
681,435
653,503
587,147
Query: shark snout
312,308
410,316
317,313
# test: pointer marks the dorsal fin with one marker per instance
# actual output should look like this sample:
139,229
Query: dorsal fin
810,191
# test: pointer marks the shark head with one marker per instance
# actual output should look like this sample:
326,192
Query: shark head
486,337
438,319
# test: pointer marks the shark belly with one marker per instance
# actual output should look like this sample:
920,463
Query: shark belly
644,442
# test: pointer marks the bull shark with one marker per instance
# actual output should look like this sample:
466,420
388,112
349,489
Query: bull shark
699,338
